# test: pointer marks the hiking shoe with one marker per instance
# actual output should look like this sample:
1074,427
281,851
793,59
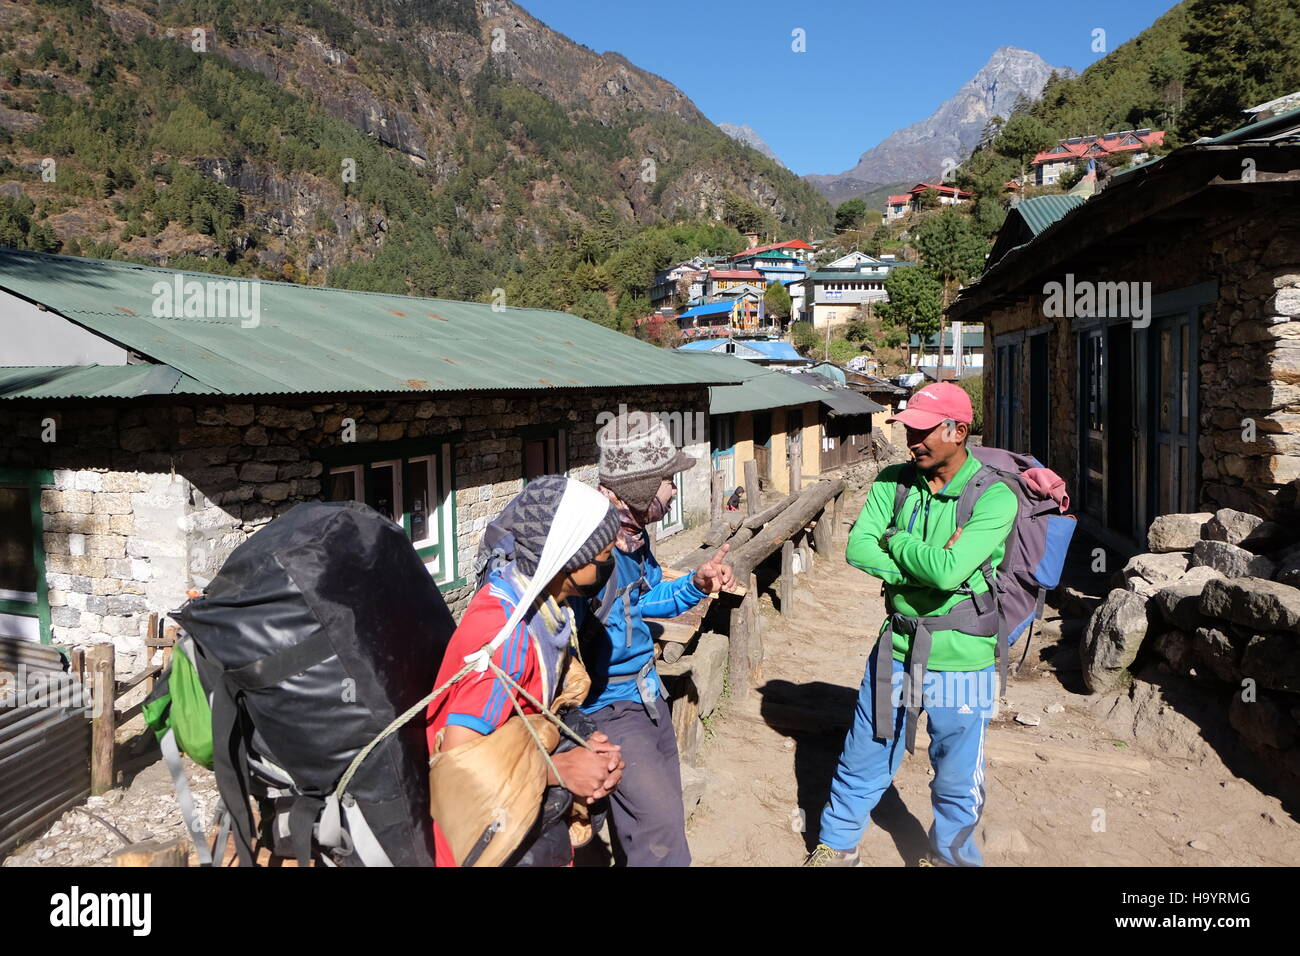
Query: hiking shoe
931,860
825,856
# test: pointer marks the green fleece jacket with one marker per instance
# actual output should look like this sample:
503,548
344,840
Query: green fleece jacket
922,576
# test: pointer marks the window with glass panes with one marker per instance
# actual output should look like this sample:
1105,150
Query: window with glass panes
412,487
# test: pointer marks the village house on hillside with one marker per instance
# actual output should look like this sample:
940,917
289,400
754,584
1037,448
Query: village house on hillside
758,351
833,293
1145,343
896,207
141,448
1050,164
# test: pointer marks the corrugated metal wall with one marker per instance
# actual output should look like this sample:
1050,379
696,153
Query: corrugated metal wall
44,739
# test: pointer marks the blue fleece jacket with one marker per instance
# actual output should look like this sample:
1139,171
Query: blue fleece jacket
615,657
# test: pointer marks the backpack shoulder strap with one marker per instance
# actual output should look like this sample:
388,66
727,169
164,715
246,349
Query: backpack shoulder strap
980,482
906,478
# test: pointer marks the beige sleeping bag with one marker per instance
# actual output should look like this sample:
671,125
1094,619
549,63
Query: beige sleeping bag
486,794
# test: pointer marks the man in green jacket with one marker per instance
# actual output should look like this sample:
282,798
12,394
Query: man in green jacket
941,628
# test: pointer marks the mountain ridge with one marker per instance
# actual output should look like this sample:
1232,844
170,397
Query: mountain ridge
480,142
919,152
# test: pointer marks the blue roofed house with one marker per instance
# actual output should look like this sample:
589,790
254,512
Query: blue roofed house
758,351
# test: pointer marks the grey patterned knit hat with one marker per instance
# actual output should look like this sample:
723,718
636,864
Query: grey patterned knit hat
636,454
528,518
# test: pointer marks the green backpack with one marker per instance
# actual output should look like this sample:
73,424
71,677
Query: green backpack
179,704
179,712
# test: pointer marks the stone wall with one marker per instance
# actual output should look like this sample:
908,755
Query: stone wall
1249,359
148,501
1216,600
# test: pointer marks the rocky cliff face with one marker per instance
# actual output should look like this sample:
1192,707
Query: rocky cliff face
918,153
497,131
750,137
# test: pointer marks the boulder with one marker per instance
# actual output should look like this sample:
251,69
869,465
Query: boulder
1273,660
1243,530
1138,585
1179,603
1253,602
1232,527
1178,532
1263,722
1112,639
1215,652
1230,560
1156,569
709,670
694,783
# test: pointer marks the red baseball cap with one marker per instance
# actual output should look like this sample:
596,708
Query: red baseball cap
934,404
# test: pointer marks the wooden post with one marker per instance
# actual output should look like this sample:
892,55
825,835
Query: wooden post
752,497
738,653
796,467
715,497
787,580
99,664
835,519
153,853
749,604
152,679
822,533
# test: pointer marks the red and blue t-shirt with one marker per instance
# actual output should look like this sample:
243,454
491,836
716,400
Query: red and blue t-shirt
482,701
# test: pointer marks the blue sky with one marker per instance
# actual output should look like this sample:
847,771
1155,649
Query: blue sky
868,69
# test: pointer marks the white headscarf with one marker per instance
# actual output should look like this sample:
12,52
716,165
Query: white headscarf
581,510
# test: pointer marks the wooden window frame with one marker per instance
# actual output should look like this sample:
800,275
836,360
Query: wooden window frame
438,554
34,481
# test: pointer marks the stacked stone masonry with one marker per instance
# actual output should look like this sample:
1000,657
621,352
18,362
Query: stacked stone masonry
1217,600
147,502
1248,361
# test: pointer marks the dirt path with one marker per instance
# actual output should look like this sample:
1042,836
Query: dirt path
1065,792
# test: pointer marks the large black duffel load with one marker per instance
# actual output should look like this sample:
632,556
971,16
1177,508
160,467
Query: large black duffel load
318,631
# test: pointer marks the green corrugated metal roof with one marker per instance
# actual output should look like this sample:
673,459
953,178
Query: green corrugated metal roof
1260,129
1039,212
316,340
760,388
97,381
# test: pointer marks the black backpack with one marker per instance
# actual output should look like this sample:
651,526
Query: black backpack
319,631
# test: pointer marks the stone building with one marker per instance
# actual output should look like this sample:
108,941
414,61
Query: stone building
144,439
1145,344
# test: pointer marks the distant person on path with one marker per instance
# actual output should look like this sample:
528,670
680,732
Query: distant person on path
938,640
638,460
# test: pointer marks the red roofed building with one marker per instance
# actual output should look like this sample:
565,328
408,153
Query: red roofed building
1051,163
896,207
795,247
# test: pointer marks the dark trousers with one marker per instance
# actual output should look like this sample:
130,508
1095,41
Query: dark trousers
646,819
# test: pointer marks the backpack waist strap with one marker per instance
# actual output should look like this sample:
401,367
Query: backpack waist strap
965,616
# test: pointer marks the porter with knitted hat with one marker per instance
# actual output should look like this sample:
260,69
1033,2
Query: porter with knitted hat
638,460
